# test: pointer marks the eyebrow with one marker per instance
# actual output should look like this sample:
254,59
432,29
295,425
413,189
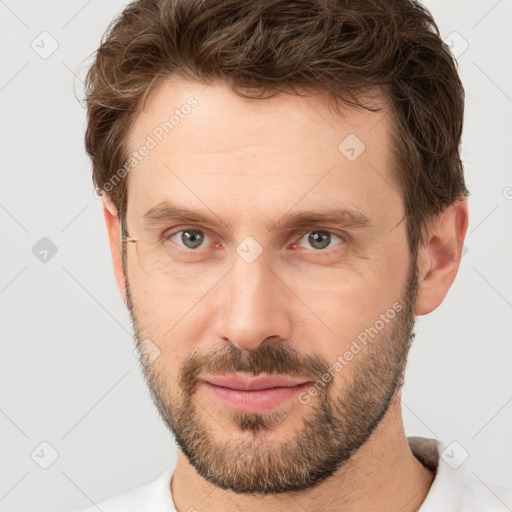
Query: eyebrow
347,217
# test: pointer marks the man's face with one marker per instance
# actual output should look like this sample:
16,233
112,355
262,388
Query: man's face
329,304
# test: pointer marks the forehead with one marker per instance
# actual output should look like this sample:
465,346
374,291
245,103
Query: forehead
209,149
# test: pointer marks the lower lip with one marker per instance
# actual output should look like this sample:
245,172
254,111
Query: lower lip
254,401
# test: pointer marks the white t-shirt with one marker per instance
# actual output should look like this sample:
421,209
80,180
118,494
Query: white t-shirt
454,489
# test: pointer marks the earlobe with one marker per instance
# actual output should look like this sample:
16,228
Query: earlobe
439,259
113,229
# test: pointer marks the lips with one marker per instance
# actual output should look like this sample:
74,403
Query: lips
248,394
253,394
254,383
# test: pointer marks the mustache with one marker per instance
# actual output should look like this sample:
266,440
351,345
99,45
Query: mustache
269,358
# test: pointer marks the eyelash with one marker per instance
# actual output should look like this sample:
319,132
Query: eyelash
343,237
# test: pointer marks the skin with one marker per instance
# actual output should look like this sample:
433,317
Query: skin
248,163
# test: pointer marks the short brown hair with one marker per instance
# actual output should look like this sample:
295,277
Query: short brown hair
341,47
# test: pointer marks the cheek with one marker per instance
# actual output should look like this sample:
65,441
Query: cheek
383,277
167,317
345,312
352,300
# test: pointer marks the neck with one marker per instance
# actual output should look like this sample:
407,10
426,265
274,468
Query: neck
383,475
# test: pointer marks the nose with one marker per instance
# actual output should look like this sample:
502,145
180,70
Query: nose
254,303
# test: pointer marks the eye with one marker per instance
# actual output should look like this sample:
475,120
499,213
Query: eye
321,239
192,239
187,238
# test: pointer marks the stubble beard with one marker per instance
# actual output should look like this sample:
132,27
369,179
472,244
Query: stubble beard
331,428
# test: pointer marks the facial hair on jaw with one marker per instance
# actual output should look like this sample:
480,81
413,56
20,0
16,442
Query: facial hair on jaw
334,427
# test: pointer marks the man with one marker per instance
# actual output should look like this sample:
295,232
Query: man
283,194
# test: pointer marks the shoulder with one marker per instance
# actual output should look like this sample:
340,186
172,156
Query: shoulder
482,495
456,486
154,496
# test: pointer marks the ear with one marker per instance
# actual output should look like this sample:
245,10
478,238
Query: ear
439,259
113,229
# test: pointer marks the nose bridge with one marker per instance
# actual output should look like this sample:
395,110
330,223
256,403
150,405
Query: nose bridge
252,299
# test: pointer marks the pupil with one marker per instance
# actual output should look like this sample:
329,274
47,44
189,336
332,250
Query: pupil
192,238
319,241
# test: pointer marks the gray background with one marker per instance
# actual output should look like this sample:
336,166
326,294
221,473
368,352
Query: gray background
68,373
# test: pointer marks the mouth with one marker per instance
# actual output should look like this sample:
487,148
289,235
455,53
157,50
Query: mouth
253,394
